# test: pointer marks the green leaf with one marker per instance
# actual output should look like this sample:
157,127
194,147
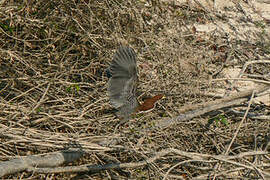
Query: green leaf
77,87
224,121
68,89
218,119
6,27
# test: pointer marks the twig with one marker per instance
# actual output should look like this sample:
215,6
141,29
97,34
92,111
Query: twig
240,124
243,79
251,62
41,99
236,132
24,93
206,176
183,162
250,115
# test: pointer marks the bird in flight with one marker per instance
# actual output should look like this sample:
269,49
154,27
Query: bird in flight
122,84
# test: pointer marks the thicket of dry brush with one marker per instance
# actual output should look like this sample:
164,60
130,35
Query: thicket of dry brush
53,88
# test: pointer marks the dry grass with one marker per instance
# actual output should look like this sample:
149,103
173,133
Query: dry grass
53,88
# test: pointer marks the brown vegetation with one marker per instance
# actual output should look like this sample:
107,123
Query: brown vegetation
53,89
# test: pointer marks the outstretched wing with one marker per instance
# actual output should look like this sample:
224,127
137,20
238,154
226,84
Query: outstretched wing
122,84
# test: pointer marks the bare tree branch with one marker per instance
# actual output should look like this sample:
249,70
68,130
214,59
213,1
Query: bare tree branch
200,109
190,155
42,160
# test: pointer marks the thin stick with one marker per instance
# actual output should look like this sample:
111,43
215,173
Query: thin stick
243,79
248,63
236,132
240,124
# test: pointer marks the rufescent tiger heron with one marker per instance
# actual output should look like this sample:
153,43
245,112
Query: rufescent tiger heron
122,84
